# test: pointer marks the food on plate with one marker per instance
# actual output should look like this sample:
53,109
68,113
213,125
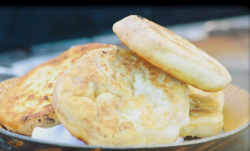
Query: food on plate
159,89
172,53
28,104
205,113
111,96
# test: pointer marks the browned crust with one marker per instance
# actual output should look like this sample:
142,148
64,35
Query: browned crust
100,97
28,104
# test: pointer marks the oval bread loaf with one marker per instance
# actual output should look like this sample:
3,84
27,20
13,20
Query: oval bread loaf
172,53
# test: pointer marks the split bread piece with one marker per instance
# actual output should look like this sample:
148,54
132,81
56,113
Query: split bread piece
114,97
172,53
28,104
205,113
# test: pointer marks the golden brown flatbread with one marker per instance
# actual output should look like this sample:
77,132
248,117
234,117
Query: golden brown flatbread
28,104
205,113
114,97
172,53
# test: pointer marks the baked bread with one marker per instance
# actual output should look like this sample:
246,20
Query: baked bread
28,104
172,53
112,97
205,113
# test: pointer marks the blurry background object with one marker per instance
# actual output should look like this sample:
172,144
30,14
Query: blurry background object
23,26
31,35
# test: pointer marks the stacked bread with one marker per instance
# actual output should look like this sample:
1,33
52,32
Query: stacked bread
159,89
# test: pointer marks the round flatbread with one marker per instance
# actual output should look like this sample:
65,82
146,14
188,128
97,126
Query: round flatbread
28,104
172,53
114,97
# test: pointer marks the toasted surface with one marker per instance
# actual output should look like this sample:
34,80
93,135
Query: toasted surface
114,97
206,118
172,53
28,104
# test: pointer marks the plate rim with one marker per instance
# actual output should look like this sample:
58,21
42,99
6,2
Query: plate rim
185,143
192,142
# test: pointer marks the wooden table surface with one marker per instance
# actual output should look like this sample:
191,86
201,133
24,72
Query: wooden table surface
233,52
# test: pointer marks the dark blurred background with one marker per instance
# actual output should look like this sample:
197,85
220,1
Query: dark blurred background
23,26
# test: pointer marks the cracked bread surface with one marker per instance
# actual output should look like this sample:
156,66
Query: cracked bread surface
114,97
